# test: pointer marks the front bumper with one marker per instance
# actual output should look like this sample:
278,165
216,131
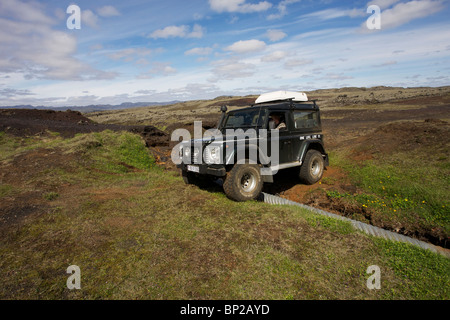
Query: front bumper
217,170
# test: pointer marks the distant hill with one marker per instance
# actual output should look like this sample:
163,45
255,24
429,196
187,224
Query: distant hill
94,108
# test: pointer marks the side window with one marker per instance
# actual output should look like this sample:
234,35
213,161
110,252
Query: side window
277,120
305,119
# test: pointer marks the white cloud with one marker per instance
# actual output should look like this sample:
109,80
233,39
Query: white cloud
178,32
334,13
197,16
187,91
199,51
337,76
231,69
403,13
32,48
297,62
170,32
90,18
108,11
385,64
159,68
197,32
282,9
11,93
238,6
130,54
274,56
275,35
32,12
247,46
383,4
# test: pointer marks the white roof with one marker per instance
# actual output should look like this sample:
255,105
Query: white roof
282,95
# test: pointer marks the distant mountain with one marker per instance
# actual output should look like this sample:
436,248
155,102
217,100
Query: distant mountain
96,107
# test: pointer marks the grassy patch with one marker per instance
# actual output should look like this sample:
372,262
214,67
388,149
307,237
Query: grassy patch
336,225
14,146
401,187
50,196
425,274
9,145
144,234
5,190
113,152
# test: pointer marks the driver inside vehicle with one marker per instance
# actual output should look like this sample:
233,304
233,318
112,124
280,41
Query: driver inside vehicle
278,124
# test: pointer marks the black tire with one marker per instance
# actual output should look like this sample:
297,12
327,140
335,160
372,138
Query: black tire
243,182
311,170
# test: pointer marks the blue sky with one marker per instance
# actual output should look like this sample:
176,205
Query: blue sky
198,49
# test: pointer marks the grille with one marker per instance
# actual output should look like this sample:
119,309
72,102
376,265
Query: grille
195,155
207,155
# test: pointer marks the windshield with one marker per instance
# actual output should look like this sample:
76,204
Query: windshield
240,119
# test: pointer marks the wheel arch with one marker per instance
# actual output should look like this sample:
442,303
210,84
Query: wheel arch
313,145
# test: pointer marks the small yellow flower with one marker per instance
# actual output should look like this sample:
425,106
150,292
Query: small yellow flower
406,199
395,210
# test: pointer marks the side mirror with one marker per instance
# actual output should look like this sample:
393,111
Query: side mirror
223,109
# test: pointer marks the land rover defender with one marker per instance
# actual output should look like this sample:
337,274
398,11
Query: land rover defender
247,149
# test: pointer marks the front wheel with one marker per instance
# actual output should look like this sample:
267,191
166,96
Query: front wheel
243,182
311,170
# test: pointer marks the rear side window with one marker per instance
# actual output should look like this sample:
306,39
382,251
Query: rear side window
306,119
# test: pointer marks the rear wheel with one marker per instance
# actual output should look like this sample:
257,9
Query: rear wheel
243,182
311,170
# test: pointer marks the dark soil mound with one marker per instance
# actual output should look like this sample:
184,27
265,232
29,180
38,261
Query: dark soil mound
404,136
25,122
44,115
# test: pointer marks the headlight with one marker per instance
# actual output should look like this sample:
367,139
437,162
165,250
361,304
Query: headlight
187,152
215,152
213,155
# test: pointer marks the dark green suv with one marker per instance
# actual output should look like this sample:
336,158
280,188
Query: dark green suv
251,144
